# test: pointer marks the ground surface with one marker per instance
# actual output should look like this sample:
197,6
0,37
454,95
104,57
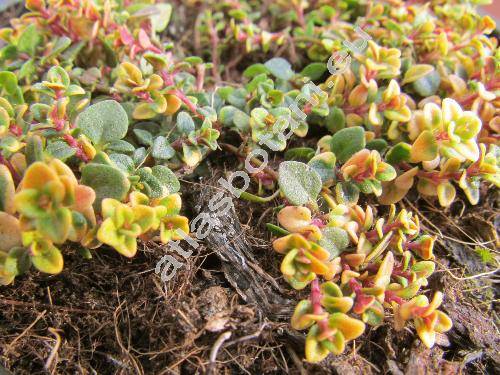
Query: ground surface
111,315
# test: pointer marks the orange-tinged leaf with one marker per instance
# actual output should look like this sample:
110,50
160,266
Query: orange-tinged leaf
358,96
292,218
130,71
425,147
35,5
291,241
351,328
173,104
37,175
156,82
318,251
10,232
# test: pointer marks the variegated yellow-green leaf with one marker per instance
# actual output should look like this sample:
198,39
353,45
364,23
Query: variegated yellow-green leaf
416,72
446,193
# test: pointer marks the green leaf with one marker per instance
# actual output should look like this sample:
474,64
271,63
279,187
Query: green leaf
152,186
277,230
226,115
56,225
324,164
241,120
280,68
71,53
399,153
57,74
191,155
471,188
314,70
346,193
17,261
28,69
29,40
102,158
254,70
120,146
486,256
8,82
107,182
238,98
387,174
84,252
103,122
378,144
300,153
123,162
230,115
427,85
144,137
167,178
161,18
139,155
9,52
33,149
299,182
161,149
347,142
335,240
60,150
185,123
61,44
194,60
446,193
335,120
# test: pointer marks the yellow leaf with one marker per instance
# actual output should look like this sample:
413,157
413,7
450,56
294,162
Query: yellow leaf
416,72
314,351
351,328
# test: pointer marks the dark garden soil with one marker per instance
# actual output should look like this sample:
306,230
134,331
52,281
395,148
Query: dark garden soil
227,309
